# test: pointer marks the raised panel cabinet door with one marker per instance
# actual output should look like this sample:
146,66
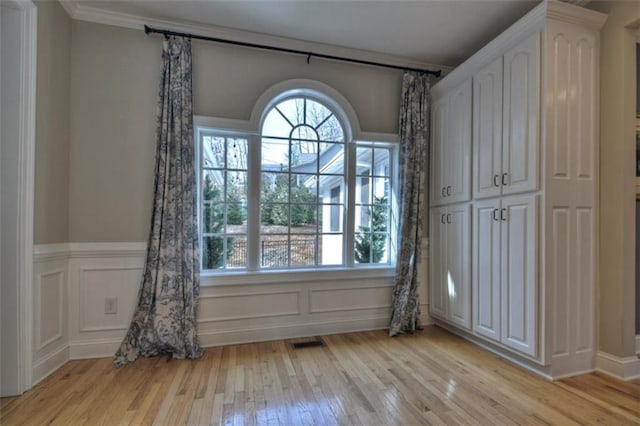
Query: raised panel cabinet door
487,131
520,117
485,271
519,277
437,258
438,131
457,164
458,264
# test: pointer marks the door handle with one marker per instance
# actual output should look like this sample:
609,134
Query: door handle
448,190
442,218
448,217
496,179
443,191
495,214
504,179
503,214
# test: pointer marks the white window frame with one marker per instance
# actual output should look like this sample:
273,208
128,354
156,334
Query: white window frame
251,130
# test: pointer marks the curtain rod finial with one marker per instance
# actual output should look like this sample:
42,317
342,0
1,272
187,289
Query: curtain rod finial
147,29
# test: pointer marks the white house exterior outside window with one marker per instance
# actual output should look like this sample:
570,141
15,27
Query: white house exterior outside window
296,193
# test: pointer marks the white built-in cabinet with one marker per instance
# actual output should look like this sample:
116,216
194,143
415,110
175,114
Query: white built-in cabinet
505,270
513,215
451,298
451,124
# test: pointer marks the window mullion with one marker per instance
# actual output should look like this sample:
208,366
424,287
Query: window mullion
253,208
351,203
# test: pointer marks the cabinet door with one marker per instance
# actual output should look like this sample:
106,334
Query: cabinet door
437,255
458,265
438,130
519,273
520,116
486,268
457,163
487,131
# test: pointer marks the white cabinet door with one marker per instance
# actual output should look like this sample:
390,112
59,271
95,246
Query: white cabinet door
520,115
437,257
486,268
487,131
457,162
438,132
519,273
458,265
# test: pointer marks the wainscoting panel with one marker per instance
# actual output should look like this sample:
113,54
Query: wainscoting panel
50,333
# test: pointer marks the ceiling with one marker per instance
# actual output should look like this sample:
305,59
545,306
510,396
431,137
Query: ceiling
444,32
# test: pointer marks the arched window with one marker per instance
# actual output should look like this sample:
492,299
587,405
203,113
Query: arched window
297,193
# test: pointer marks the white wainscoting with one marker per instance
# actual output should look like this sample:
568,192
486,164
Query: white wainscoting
51,333
80,277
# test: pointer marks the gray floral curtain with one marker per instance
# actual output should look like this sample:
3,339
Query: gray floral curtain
414,121
164,321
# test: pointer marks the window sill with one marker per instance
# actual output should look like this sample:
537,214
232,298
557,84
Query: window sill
214,279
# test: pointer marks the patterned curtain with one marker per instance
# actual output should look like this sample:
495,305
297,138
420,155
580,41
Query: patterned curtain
414,119
164,321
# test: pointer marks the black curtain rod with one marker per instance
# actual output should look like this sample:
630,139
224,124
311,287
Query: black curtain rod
309,55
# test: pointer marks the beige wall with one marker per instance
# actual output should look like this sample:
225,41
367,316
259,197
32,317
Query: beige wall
114,82
51,220
617,176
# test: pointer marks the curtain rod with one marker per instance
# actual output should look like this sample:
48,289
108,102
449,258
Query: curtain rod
309,55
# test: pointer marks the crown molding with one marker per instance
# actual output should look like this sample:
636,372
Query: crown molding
69,6
82,12
574,14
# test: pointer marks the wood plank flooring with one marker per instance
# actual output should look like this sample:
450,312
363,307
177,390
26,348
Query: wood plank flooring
365,378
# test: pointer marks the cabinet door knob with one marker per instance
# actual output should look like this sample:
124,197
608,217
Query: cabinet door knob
503,214
448,190
504,179
496,180
443,191
495,214
442,218
448,217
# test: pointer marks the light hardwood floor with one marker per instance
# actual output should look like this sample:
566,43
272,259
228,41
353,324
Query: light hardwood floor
365,378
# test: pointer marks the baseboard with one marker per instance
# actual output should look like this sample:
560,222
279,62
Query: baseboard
46,366
627,368
105,348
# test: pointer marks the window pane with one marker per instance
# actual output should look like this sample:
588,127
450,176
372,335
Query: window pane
293,110
213,151
381,189
331,249
274,251
303,218
237,251
316,113
275,125
364,159
275,154
371,248
331,158
237,153
303,250
213,218
274,218
236,218
332,215
213,250
275,187
331,130
363,218
237,186
304,188
212,185
382,162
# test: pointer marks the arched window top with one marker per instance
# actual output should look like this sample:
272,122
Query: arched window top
304,121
